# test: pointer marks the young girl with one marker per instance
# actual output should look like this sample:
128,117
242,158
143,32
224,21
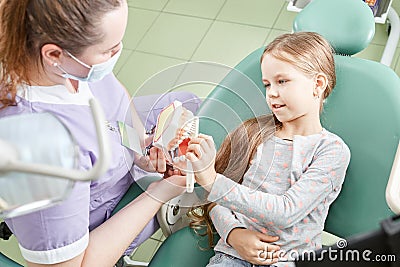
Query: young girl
292,168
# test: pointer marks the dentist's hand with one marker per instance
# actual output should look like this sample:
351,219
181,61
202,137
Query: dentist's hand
201,152
154,162
165,189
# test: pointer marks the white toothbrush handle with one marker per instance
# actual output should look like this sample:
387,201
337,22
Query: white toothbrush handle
189,177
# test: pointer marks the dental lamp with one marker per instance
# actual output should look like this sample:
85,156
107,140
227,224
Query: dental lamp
38,160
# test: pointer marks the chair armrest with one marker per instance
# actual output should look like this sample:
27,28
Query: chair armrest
183,248
135,190
6,262
329,239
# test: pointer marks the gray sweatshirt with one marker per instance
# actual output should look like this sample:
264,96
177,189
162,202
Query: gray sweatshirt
286,192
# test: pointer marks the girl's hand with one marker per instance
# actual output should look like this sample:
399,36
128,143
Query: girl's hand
202,152
253,246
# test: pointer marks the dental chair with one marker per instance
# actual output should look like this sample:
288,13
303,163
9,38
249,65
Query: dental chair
364,109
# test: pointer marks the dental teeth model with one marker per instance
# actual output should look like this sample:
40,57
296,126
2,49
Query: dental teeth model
175,127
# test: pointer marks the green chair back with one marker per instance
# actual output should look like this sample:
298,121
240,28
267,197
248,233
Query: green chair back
348,25
364,110
239,96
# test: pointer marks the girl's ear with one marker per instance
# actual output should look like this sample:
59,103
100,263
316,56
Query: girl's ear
321,81
52,54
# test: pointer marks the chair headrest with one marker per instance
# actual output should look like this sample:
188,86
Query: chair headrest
348,25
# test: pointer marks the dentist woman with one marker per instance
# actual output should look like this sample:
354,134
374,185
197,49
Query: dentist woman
55,55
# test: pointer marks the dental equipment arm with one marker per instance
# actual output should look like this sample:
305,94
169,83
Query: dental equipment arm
393,186
38,157
9,156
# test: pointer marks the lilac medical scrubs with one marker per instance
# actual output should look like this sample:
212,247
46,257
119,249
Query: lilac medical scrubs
61,232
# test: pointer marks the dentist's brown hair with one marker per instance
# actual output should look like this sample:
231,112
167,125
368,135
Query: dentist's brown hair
27,25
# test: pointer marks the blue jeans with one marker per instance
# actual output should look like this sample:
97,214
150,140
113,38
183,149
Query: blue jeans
224,260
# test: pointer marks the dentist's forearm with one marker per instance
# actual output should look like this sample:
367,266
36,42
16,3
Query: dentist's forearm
109,241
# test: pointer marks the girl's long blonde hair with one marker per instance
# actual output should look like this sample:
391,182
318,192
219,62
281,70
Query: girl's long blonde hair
233,160
311,54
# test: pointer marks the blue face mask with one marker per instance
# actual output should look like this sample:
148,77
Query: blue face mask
97,71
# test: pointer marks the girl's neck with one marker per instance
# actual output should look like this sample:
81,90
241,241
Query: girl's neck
288,131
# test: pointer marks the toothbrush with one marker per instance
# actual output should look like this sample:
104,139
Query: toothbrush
177,153
193,131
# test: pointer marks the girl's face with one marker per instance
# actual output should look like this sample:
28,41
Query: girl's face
113,28
290,94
